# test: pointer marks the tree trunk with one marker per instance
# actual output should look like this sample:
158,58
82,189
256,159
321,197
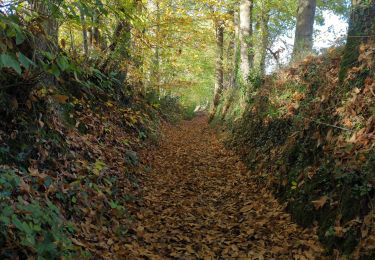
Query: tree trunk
127,38
153,7
117,34
84,33
90,33
103,42
96,32
138,53
236,51
72,47
219,75
265,41
156,70
361,31
245,38
235,66
303,41
250,40
48,39
49,22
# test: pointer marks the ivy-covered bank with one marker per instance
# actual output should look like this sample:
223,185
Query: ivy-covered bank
313,140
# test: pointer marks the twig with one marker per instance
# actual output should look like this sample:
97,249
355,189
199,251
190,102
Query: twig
326,124
361,36
372,91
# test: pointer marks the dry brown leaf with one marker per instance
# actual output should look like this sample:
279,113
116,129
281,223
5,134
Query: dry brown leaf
246,208
60,98
318,204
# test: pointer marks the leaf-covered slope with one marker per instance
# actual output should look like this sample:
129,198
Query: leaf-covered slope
70,129
314,138
69,171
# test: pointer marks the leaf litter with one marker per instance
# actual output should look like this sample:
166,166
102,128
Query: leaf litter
200,202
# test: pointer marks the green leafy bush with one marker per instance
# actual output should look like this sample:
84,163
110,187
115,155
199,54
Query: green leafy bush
29,226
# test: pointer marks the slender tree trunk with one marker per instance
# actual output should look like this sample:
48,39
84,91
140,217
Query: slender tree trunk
230,74
84,33
250,40
72,47
245,38
127,38
219,75
157,48
154,76
96,37
265,40
236,51
90,33
103,42
303,41
138,53
361,31
235,66
96,32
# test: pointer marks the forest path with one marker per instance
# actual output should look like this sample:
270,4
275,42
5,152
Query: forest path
200,202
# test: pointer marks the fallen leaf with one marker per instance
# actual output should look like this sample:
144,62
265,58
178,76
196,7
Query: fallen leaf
318,204
60,98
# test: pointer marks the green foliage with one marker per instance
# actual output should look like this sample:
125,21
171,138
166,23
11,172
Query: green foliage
339,7
9,181
12,36
169,105
7,60
255,80
35,227
295,124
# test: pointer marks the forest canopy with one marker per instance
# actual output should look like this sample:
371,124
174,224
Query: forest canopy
166,45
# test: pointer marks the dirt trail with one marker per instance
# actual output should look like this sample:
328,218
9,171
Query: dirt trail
202,203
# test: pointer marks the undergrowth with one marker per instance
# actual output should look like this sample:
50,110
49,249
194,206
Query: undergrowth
313,136
66,192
